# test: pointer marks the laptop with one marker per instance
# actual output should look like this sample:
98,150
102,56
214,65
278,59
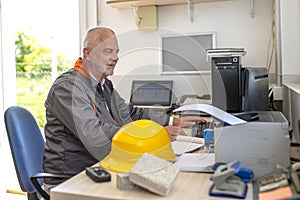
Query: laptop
151,93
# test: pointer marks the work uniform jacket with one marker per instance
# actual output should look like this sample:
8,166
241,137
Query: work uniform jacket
79,126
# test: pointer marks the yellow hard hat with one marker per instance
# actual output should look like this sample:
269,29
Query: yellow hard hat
133,140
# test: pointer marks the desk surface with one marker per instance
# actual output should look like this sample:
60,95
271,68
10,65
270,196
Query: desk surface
293,86
188,185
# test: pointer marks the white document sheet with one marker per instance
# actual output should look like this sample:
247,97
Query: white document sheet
196,162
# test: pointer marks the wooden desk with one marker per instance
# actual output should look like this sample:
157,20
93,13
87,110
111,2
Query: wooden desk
188,185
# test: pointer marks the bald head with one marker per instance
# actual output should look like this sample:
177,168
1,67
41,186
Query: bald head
97,35
100,52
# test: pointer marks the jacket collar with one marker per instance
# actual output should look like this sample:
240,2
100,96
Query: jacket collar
79,67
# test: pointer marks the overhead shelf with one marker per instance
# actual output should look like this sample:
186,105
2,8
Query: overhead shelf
127,4
136,4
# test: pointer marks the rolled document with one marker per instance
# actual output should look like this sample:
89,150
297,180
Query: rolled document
214,111
190,139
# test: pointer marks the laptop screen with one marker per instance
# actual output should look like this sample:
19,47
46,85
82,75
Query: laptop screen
147,93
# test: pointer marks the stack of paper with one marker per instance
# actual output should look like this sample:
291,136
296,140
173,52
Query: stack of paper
196,162
186,144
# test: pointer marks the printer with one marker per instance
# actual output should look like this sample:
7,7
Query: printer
260,144
258,139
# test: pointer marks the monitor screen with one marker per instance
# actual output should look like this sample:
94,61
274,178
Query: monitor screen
151,93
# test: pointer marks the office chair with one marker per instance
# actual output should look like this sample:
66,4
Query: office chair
27,148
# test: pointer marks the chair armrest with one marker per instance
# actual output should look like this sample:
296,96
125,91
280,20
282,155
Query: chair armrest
38,187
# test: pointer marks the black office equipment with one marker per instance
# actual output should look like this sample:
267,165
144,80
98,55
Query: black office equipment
226,83
151,93
255,88
98,174
236,88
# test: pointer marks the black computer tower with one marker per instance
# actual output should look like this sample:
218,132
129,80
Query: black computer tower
226,83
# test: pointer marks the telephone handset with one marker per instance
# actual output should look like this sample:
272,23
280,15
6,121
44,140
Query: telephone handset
295,173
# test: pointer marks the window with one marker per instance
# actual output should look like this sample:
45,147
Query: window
186,53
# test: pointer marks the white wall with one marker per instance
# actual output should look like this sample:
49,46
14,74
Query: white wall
8,53
7,95
290,40
1,75
231,20
7,65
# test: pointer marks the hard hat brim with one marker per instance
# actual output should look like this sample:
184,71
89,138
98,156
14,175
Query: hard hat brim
115,160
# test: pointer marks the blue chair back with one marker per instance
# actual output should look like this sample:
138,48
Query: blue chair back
26,143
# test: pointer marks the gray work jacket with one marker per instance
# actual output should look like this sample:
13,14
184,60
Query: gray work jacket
79,128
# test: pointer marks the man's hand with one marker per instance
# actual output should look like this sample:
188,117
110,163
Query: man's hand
187,121
174,131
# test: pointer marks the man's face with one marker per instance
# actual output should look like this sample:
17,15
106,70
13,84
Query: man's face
104,57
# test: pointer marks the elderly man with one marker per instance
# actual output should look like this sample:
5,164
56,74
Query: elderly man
84,111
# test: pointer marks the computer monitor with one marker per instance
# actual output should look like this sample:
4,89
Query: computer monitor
151,93
255,88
